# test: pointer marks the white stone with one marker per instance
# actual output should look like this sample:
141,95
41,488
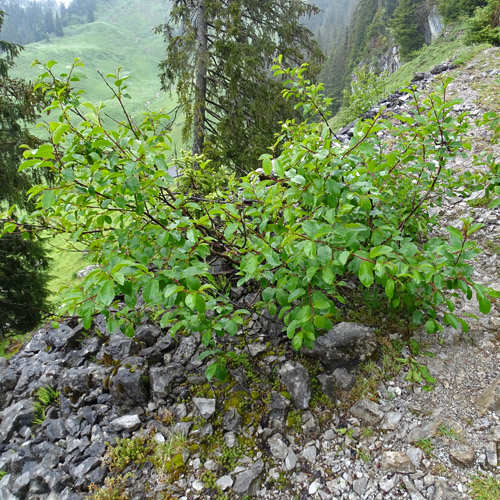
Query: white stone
225,482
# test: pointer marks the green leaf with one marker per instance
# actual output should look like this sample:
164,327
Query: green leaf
389,288
296,294
366,273
267,164
200,305
151,292
328,275
343,257
48,198
268,294
455,232
321,304
484,304
231,327
380,250
106,293
58,132
297,340
452,320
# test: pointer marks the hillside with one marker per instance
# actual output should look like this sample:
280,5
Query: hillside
118,37
344,421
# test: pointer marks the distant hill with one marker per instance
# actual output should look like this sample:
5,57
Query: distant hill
121,35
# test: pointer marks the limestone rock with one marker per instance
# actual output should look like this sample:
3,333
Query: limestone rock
277,447
395,461
205,406
462,455
346,344
296,379
247,482
368,411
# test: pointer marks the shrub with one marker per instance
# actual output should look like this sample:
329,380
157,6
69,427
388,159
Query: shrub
318,216
485,25
452,10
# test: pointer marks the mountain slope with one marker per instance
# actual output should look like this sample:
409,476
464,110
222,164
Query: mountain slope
122,35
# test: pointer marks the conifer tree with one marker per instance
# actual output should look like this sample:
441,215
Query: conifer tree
23,264
405,27
58,28
218,59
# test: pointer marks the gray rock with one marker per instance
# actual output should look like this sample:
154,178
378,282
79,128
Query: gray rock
310,453
14,417
291,459
360,486
425,431
388,484
148,334
164,379
119,347
489,399
391,421
232,420
247,482
416,455
277,447
346,344
44,480
343,379
54,429
187,348
21,484
230,439
462,455
328,386
491,455
443,492
368,411
205,406
296,379
85,467
395,461
225,482
412,490
128,386
126,423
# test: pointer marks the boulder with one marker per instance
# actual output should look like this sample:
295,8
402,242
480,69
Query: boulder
297,382
346,344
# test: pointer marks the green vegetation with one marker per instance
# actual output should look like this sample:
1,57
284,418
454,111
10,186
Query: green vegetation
144,448
452,10
405,28
114,488
44,397
426,446
485,25
217,60
484,488
355,213
100,45
23,263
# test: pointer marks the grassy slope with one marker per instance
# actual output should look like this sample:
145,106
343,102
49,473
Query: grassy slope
122,35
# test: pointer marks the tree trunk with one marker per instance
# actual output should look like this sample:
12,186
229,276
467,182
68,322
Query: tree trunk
201,78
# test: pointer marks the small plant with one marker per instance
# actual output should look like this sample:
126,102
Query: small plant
448,432
3,473
114,489
364,454
346,432
484,488
294,420
230,456
44,397
138,449
426,446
